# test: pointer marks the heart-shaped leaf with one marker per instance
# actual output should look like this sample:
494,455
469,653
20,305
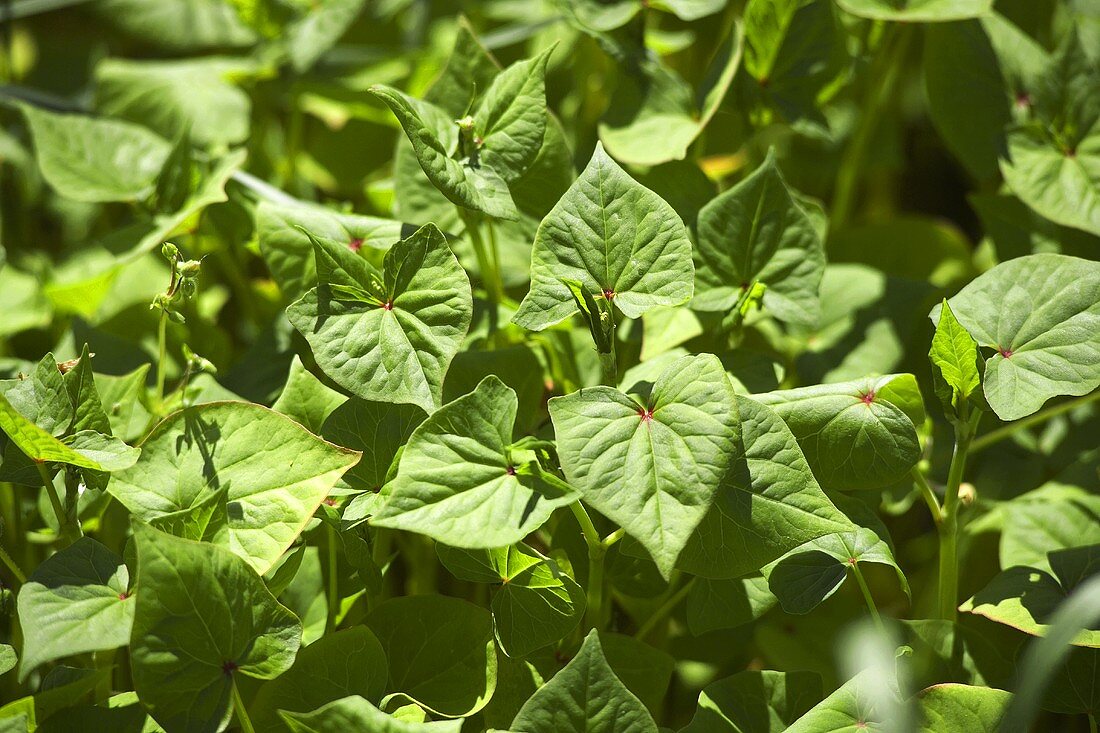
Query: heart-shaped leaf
758,230
587,696
1041,316
273,472
917,11
387,336
856,435
355,713
614,237
756,701
462,482
202,615
652,466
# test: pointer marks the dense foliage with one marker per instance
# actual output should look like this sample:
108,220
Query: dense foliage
550,365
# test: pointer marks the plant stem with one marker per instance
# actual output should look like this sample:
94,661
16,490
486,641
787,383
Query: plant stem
928,494
614,537
333,591
242,714
64,526
664,610
490,277
597,551
949,527
883,87
1007,431
867,596
1092,723
162,356
13,568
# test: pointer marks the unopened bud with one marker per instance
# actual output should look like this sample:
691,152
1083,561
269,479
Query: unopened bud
967,494
190,268
188,288
170,251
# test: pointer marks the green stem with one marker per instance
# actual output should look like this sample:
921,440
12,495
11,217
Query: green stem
490,277
1007,431
614,537
664,610
928,494
949,527
242,715
333,590
64,526
867,596
597,552
13,568
883,86
1092,723
162,356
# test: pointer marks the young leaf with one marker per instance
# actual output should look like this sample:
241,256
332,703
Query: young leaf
772,505
652,467
77,601
461,482
90,159
307,400
614,236
536,604
440,650
761,702
758,231
395,339
510,119
955,363
273,471
587,696
349,661
202,616
355,713
856,435
1041,316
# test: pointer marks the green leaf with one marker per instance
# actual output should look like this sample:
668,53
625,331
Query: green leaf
727,603
804,578
193,96
955,362
307,400
654,115
42,397
954,708
917,11
1053,517
355,713
755,702
202,615
286,240
653,467
461,482
1052,161
758,230
76,601
396,343
273,472
86,449
378,429
348,662
855,435
614,236
587,696
772,505
88,411
318,30
440,650
536,604
794,54
1027,598
851,707
89,159
1041,315
179,25
8,658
